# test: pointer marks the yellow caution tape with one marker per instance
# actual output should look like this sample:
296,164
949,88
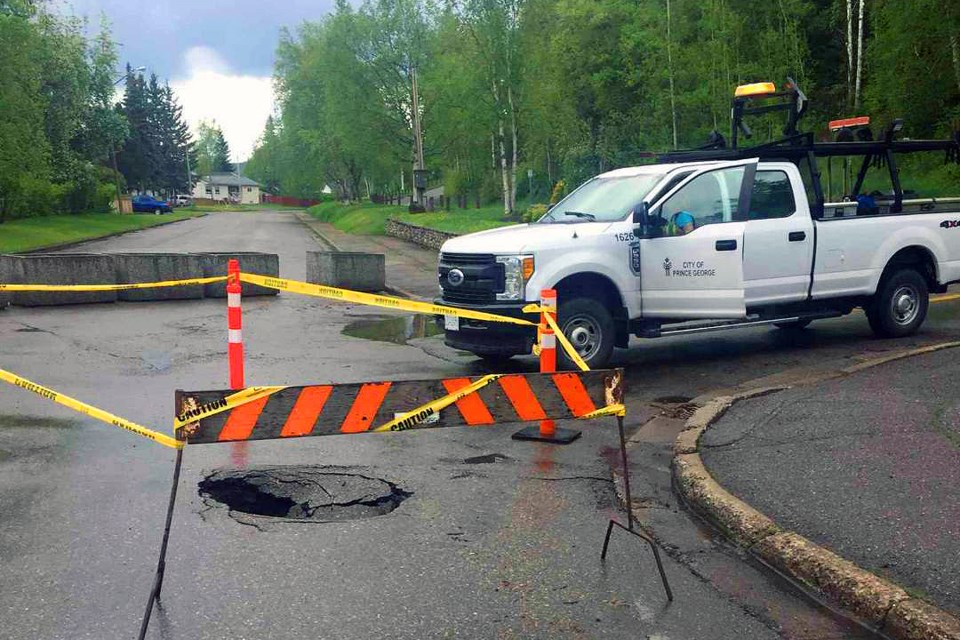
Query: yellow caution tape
562,339
191,415
88,410
109,287
421,413
610,410
387,302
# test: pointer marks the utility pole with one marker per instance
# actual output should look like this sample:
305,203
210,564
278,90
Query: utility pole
418,169
189,177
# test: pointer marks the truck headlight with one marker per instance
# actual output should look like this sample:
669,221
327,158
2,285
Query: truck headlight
517,270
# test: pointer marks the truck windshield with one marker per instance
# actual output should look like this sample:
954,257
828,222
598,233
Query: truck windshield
603,199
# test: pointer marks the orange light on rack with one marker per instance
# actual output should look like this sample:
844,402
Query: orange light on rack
755,89
860,121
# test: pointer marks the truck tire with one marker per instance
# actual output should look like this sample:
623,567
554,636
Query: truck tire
900,305
589,327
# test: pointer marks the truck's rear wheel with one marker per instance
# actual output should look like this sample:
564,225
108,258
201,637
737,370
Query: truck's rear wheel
900,305
589,327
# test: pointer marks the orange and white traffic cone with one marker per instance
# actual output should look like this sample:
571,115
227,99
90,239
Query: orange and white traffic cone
548,431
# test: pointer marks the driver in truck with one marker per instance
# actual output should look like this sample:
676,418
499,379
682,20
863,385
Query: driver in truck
681,221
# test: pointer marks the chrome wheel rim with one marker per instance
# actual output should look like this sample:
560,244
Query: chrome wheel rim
584,334
905,304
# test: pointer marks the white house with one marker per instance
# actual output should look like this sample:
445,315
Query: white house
227,187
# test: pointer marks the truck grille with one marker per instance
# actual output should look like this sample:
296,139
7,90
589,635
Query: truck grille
482,278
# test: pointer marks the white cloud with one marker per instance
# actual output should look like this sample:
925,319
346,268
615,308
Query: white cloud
211,91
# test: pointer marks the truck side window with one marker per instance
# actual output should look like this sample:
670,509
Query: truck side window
710,198
772,196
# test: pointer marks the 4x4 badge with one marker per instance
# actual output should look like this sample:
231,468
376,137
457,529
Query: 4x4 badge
635,257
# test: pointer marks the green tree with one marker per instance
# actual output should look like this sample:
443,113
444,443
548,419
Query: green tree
24,150
213,152
138,159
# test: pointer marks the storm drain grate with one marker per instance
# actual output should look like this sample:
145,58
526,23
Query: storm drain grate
302,493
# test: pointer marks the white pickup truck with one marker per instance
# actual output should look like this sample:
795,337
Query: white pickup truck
686,247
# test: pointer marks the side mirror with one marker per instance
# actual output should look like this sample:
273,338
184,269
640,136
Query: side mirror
641,218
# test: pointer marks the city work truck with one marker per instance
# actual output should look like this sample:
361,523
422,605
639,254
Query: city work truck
716,238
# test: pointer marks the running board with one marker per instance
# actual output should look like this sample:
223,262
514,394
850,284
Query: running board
736,324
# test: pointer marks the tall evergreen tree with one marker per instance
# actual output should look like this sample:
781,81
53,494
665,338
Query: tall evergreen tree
138,158
213,152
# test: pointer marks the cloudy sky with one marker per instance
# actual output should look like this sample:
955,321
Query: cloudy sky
216,54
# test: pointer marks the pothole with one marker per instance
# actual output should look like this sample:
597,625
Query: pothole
301,493
394,329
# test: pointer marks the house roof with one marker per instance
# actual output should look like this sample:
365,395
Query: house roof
229,180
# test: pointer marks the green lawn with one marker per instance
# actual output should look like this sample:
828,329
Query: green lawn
370,219
46,231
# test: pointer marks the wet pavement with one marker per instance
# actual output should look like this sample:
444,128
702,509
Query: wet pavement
867,466
496,538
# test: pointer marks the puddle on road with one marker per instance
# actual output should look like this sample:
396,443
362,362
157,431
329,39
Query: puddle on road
490,458
301,493
393,329
672,399
34,422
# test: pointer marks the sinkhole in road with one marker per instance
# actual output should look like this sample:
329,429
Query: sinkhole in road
302,493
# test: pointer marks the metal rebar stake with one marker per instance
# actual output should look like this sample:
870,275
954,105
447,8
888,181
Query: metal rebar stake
629,507
162,562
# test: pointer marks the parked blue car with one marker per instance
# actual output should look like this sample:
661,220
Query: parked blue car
149,204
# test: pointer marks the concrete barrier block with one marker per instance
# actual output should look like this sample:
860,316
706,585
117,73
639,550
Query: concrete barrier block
347,270
215,264
8,271
155,267
64,268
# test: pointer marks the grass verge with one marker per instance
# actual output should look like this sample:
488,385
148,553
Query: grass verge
370,219
47,231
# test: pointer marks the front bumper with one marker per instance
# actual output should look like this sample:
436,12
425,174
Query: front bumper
491,338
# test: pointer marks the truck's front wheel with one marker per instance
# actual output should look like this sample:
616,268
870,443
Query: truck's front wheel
589,327
900,305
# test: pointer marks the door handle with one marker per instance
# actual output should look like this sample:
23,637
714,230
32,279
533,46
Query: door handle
797,236
726,245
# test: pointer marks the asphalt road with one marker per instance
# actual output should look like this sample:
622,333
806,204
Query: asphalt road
506,549
868,466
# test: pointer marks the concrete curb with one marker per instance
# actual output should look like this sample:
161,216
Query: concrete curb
67,245
879,603
306,219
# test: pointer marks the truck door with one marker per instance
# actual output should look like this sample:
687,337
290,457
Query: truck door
778,239
694,267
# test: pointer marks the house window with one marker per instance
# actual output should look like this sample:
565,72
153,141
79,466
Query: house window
218,190
249,189
208,189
